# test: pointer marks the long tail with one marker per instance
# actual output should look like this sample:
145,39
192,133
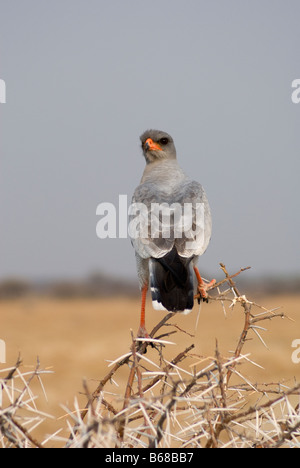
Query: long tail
171,281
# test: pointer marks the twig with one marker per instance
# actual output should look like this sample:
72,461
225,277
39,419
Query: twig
201,403
142,348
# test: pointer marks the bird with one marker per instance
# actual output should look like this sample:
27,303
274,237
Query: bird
170,226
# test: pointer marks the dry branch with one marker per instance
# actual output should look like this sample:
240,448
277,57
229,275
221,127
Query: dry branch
212,406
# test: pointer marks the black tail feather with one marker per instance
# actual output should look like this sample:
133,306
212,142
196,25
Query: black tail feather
171,281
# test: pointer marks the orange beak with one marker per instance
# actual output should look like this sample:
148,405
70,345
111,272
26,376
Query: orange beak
150,145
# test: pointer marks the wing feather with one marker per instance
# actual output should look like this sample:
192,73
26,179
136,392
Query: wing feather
158,220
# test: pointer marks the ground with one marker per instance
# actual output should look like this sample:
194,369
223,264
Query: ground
75,338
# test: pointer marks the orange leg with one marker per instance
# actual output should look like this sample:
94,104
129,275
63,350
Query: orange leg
203,287
142,332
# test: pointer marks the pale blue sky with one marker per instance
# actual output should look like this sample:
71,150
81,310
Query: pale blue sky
86,77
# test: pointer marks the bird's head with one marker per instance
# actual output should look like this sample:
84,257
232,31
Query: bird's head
157,145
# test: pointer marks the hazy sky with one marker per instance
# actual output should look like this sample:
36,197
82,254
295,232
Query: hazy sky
85,78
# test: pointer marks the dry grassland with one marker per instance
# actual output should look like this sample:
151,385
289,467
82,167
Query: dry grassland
75,338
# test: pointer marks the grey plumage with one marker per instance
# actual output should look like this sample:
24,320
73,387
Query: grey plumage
168,247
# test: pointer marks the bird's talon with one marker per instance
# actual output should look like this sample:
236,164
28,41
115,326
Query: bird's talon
142,333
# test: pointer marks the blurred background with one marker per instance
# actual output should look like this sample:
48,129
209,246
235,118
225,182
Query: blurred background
83,80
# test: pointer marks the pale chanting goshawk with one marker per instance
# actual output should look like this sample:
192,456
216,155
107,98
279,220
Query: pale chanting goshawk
171,227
